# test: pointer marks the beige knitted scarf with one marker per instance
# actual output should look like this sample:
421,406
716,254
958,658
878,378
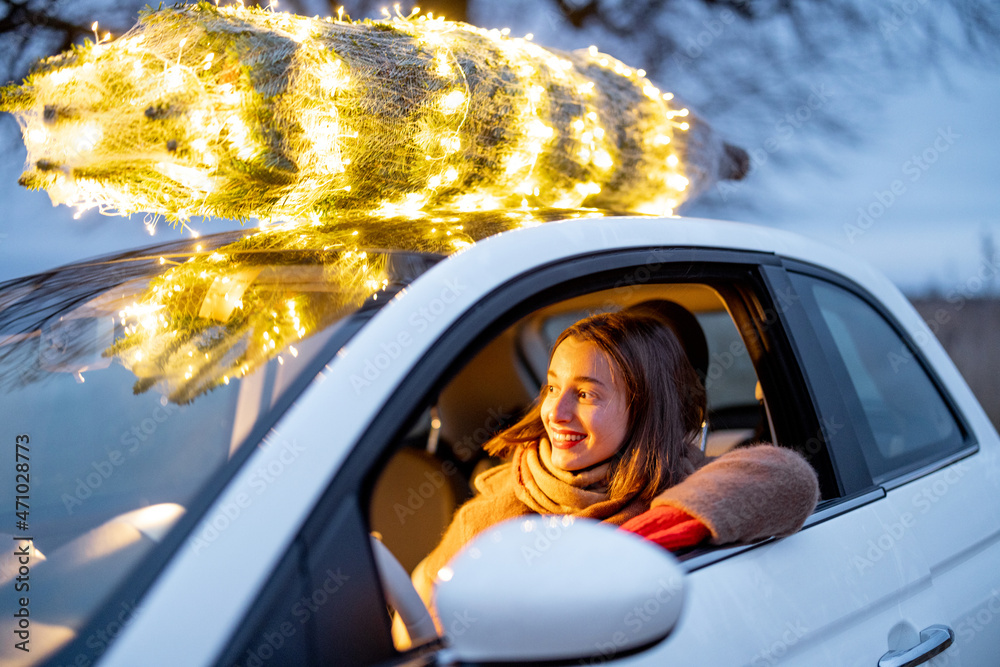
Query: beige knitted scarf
546,489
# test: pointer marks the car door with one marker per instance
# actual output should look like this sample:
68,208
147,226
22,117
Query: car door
349,623
726,591
854,583
899,565
927,443
822,596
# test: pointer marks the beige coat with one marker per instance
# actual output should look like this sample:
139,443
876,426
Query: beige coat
745,495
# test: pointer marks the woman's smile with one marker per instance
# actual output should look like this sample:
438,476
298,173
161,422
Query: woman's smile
566,439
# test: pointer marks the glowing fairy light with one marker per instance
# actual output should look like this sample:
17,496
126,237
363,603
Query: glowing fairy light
296,317
299,122
678,182
309,120
170,336
35,136
602,159
453,101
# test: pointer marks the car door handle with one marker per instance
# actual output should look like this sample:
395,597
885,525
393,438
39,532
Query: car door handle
933,640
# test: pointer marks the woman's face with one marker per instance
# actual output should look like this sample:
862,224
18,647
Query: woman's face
584,410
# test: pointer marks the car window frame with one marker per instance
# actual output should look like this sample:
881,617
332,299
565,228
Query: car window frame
352,486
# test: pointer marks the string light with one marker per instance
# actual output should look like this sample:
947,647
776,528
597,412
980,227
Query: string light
314,127
292,118
221,313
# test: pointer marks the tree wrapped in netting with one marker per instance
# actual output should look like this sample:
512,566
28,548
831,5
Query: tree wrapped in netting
202,110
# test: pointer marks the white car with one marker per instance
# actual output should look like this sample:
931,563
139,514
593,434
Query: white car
186,484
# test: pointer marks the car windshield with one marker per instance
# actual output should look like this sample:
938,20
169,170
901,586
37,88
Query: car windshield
128,385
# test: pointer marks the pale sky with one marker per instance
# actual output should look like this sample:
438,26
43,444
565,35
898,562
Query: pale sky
939,148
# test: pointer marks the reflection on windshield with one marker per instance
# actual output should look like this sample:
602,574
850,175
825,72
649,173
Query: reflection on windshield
211,320
206,318
121,433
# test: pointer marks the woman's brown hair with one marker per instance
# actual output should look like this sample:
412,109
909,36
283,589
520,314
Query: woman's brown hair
666,402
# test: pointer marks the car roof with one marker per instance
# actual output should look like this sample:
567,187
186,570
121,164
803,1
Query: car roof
674,230
680,231
491,231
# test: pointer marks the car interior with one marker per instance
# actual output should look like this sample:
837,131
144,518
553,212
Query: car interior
431,473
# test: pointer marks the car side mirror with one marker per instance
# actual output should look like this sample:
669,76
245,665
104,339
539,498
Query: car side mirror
557,588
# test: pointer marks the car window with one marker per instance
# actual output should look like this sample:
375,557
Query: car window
731,380
432,470
907,416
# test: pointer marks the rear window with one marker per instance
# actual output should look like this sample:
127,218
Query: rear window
907,415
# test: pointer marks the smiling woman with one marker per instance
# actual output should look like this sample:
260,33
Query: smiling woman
621,396
613,437
616,364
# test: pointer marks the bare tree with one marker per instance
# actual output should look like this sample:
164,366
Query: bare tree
719,54
34,29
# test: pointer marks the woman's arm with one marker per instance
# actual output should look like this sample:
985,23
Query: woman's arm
495,503
748,494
